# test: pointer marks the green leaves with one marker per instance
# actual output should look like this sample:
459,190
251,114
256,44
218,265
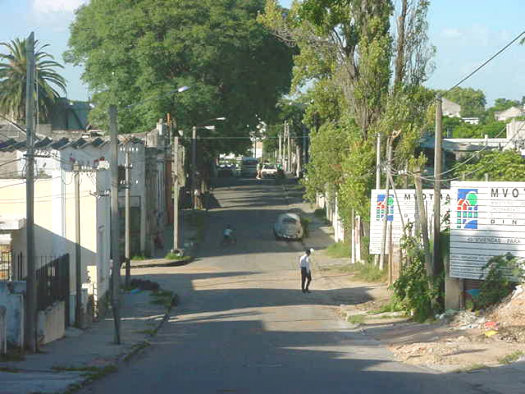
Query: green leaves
135,52
13,66
507,165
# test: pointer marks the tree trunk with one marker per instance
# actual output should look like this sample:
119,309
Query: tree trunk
401,40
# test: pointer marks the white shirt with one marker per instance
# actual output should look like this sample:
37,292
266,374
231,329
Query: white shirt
304,262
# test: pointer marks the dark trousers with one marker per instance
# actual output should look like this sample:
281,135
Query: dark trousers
306,276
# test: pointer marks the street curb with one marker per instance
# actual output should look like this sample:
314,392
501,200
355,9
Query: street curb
135,349
168,263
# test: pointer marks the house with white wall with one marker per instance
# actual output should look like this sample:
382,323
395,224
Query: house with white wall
451,109
510,113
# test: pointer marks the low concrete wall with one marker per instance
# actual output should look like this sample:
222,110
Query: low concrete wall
51,323
12,298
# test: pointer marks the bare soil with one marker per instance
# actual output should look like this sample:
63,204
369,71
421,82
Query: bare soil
461,342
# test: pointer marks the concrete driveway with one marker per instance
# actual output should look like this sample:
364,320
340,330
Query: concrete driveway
244,326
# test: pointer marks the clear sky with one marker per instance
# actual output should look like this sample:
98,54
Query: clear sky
464,32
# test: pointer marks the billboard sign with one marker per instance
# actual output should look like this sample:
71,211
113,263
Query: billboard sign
400,211
487,220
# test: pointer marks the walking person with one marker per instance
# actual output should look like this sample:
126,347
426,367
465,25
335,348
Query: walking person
306,273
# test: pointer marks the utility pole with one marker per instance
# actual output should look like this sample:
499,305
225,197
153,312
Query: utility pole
289,147
127,218
285,155
387,197
78,250
378,176
175,170
194,166
438,157
378,162
280,155
115,230
30,196
423,222
298,160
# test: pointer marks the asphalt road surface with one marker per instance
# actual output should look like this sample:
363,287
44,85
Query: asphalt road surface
244,326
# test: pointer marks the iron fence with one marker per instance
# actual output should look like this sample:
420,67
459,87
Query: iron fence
11,266
52,279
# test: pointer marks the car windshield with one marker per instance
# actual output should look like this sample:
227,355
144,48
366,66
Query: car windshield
289,220
269,167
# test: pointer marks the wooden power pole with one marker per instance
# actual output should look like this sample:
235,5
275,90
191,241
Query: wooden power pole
115,228
78,250
175,171
387,197
30,196
127,218
438,157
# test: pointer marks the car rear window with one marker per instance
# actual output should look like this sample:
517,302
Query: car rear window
289,220
269,167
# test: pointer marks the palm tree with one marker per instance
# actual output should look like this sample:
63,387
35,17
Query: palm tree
13,80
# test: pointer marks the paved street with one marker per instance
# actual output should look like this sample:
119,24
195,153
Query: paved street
243,325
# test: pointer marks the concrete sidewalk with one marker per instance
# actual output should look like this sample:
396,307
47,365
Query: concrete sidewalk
85,354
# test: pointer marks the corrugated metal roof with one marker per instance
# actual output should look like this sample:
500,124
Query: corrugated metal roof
10,145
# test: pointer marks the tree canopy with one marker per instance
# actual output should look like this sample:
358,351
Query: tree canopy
137,53
364,77
507,165
13,65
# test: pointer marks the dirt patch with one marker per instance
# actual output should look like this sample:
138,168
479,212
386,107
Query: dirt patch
460,341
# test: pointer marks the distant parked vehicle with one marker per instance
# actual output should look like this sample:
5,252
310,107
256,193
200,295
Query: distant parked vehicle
269,171
225,170
236,170
288,226
249,166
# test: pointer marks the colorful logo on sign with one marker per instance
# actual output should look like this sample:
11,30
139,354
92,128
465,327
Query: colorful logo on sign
385,206
467,209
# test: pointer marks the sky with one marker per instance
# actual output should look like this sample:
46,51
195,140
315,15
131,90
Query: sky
464,32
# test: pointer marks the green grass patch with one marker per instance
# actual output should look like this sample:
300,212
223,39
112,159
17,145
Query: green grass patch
392,306
139,257
177,257
471,368
9,369
137,348
320,213
91,374
338,250
356,319
511,358
12,355
305,223
147,331
162,297
370,272
367,272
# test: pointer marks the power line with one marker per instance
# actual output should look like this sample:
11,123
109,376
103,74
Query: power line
488,60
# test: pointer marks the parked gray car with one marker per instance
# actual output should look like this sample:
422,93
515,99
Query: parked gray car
288,226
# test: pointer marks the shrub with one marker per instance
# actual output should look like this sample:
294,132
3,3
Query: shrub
504,272
338,250
320,213
415,290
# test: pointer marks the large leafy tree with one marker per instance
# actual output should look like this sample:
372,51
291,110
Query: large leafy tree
365,77
13,64
136,53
